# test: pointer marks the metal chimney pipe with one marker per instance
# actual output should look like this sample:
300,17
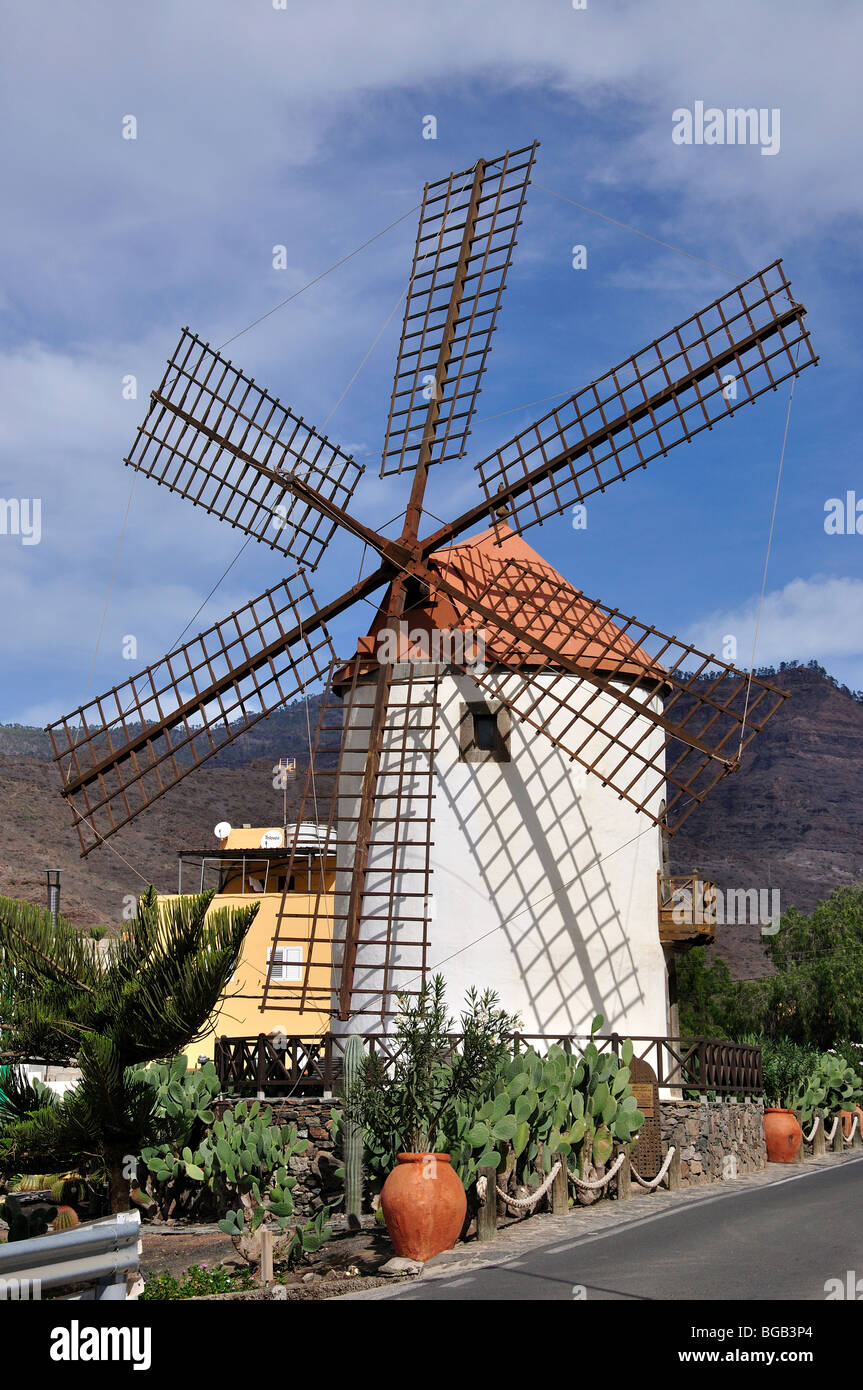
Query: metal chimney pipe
54,895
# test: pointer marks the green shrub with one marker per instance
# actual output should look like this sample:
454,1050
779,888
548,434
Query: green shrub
195,1282
785,1066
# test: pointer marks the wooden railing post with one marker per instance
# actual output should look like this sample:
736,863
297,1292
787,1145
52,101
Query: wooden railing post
328,1064
624,1173
675,1181
560,1190
838,1141
261,1066
266,1274
486,1216
819,1147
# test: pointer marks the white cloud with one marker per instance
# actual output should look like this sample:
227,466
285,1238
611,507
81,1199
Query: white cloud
808,619
302,127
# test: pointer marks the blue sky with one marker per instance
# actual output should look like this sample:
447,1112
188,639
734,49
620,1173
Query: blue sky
303,127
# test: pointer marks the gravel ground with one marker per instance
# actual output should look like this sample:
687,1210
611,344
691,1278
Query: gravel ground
175,1250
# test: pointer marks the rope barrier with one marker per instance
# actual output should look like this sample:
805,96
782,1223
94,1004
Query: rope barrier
593,1185
830,1135
653,1182
522,1203
849,1138
807,1138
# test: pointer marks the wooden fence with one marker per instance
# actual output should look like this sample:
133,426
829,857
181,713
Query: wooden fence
277,1064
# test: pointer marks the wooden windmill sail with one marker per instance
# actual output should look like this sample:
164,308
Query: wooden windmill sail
656,720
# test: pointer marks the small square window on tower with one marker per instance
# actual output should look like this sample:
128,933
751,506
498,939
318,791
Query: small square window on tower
484,733
287,964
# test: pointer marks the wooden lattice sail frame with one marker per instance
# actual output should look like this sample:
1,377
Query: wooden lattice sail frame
220,441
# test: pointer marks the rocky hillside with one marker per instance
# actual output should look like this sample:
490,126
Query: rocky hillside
791,818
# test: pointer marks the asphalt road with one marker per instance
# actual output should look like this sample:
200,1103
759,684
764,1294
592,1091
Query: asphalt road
779,1242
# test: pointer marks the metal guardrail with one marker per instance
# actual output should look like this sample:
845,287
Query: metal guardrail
96,1260
312,1065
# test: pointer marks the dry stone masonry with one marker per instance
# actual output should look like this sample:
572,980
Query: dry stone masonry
717,1140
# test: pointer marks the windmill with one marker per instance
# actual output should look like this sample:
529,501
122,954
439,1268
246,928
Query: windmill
643,716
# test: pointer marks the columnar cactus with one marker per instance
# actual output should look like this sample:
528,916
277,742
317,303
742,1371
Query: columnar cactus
353,1137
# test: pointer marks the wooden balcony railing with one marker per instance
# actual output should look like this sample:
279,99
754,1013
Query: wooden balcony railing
314,1065
687,910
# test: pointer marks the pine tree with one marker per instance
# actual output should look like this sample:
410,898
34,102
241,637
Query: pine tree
113,1005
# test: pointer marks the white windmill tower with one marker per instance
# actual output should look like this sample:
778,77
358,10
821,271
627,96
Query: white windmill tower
501,824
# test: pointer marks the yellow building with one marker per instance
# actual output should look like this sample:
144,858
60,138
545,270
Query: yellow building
251,865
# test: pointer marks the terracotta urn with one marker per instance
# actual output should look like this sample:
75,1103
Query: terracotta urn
424,1205
783,1135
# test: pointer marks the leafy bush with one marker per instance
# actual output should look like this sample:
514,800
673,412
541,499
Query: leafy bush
195,1282
407,1105
785,1066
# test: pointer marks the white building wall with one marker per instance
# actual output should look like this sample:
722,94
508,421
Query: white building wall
544,880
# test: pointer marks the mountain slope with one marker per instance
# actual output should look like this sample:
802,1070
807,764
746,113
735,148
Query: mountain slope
791,818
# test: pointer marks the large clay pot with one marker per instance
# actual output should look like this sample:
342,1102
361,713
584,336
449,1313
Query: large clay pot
424,1205
783,1135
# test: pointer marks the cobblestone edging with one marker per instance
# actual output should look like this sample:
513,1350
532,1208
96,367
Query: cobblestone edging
717,1140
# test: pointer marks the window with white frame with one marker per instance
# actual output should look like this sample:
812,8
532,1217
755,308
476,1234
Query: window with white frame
287,963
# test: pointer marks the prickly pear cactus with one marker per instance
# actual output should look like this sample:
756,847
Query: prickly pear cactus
544,1109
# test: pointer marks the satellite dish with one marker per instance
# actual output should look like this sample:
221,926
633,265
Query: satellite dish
222,830
271,839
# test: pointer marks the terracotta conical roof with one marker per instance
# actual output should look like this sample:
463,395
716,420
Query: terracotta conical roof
543,605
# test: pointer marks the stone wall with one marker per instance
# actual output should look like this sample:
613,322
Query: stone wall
717,1140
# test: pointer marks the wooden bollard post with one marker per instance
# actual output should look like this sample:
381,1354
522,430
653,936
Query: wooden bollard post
486,1216
560,1190
838,1142
266,1258
675,1182
819,1148
857,1141
624,1174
